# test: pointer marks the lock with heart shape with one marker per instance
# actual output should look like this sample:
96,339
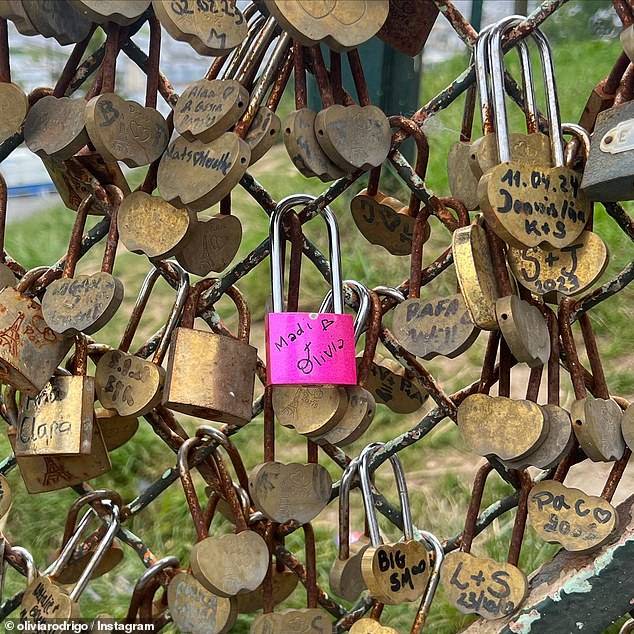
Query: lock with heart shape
394,573
85,303
29,350
512,193
478,585
287,491
596,420
434,326
233,563
384,220
300,137
127,383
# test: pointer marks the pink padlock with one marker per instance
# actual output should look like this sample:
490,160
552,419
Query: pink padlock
308,348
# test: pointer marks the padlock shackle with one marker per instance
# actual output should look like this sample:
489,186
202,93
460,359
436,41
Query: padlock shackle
74,244
207,431
80,358
482,68
276,240
344,508
299,74
372,335
312,595
581,137
237,55
432,585
553,361
224,477
142,588
193,298
30,277
141,303
496,55
27,561
531,111
368,502
112,240
255,50
98,555
389,291
68,548
473,509
263,83
570,348
188,486
363,311
79,503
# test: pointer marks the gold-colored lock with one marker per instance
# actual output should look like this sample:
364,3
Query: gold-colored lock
127,383
219,385
60,419
398,572
29,350
45,600
233,563
51,473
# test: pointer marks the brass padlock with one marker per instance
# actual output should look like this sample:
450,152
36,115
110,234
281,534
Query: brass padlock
29,350
45,600
219,385
525,202
127,383
398,572
479,585
60,419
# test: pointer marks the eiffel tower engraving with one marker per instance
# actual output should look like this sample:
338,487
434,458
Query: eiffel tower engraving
10,337
55,472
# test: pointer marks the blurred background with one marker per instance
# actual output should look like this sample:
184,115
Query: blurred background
584,38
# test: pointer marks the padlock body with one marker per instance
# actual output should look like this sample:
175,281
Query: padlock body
29,350
210,376
309,349
59,420
609,171
52,473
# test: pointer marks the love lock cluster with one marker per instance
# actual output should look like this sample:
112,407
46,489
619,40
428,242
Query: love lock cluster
522,249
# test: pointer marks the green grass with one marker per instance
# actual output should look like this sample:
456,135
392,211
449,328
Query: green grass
439,469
